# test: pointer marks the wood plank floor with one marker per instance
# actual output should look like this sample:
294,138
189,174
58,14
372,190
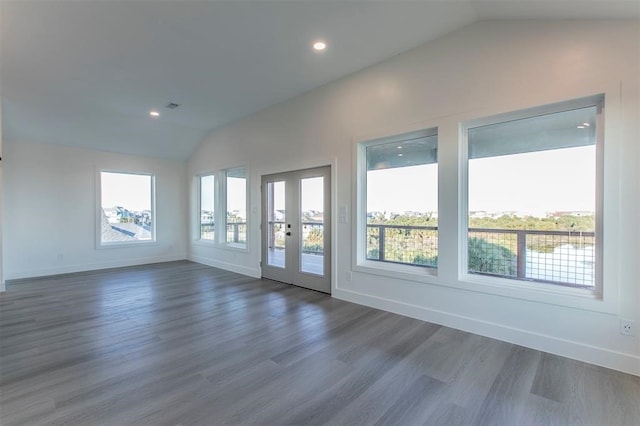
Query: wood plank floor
184,344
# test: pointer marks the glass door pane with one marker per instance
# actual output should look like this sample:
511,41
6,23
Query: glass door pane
312,225
276,224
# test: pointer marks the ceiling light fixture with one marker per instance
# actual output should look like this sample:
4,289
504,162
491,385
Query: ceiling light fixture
319,45
580,127
399,147
154,113
586,124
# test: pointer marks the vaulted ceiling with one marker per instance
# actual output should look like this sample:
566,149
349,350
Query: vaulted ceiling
87,73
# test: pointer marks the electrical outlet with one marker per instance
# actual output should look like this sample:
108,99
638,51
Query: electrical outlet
627,327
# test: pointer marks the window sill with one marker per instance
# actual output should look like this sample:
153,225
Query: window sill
553,294
125,244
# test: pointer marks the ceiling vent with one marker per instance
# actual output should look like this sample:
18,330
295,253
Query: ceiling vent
172,105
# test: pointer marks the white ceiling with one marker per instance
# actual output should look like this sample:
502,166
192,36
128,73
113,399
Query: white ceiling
87,73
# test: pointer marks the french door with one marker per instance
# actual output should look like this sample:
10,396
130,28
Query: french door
296,228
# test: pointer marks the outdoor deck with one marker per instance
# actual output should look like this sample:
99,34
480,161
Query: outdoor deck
311,263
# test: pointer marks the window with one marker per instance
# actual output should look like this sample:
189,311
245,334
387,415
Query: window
207,207
236,205
400,199
533,184
126,208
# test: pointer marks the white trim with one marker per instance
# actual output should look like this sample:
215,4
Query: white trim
222,239
99,244
197,235
252,272
360,263
334,225
537,291
625,362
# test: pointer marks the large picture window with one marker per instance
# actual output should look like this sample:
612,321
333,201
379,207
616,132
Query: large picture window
207,207
126,208
533,196
401,199
236,206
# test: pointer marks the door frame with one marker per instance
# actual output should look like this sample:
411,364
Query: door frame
293,274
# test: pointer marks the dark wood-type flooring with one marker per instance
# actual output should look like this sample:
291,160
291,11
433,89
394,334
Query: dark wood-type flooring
184,344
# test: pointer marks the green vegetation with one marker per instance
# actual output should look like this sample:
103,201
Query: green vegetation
488,252
404,245
419,219
491,258
314,242
550,223
558,222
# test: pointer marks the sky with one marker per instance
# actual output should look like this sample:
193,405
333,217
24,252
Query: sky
207,185
531,183
130,191
535,182
403,189
312,194
237,195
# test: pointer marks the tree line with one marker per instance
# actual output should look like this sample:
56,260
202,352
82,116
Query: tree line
553,222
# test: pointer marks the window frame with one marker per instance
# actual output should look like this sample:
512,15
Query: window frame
360,262
122,244
198,234
539,287
223,200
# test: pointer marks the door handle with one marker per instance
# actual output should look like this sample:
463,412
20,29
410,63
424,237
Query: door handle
288,234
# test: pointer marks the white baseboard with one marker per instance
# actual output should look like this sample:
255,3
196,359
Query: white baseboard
67,269
252,272
624,362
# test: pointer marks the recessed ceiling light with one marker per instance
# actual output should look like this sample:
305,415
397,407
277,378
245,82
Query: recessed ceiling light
399,147
580,127
154,113
586,124
319,45
399,155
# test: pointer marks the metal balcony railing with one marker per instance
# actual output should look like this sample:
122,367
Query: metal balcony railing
413,245
236,231
561,257
312,236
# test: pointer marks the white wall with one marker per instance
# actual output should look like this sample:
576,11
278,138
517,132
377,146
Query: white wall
2,284
50,210
484,69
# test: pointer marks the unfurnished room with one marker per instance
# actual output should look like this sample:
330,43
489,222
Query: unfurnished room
316,212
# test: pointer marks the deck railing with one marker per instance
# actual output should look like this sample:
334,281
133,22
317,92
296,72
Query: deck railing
237,232
563,257
312,233
414,245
